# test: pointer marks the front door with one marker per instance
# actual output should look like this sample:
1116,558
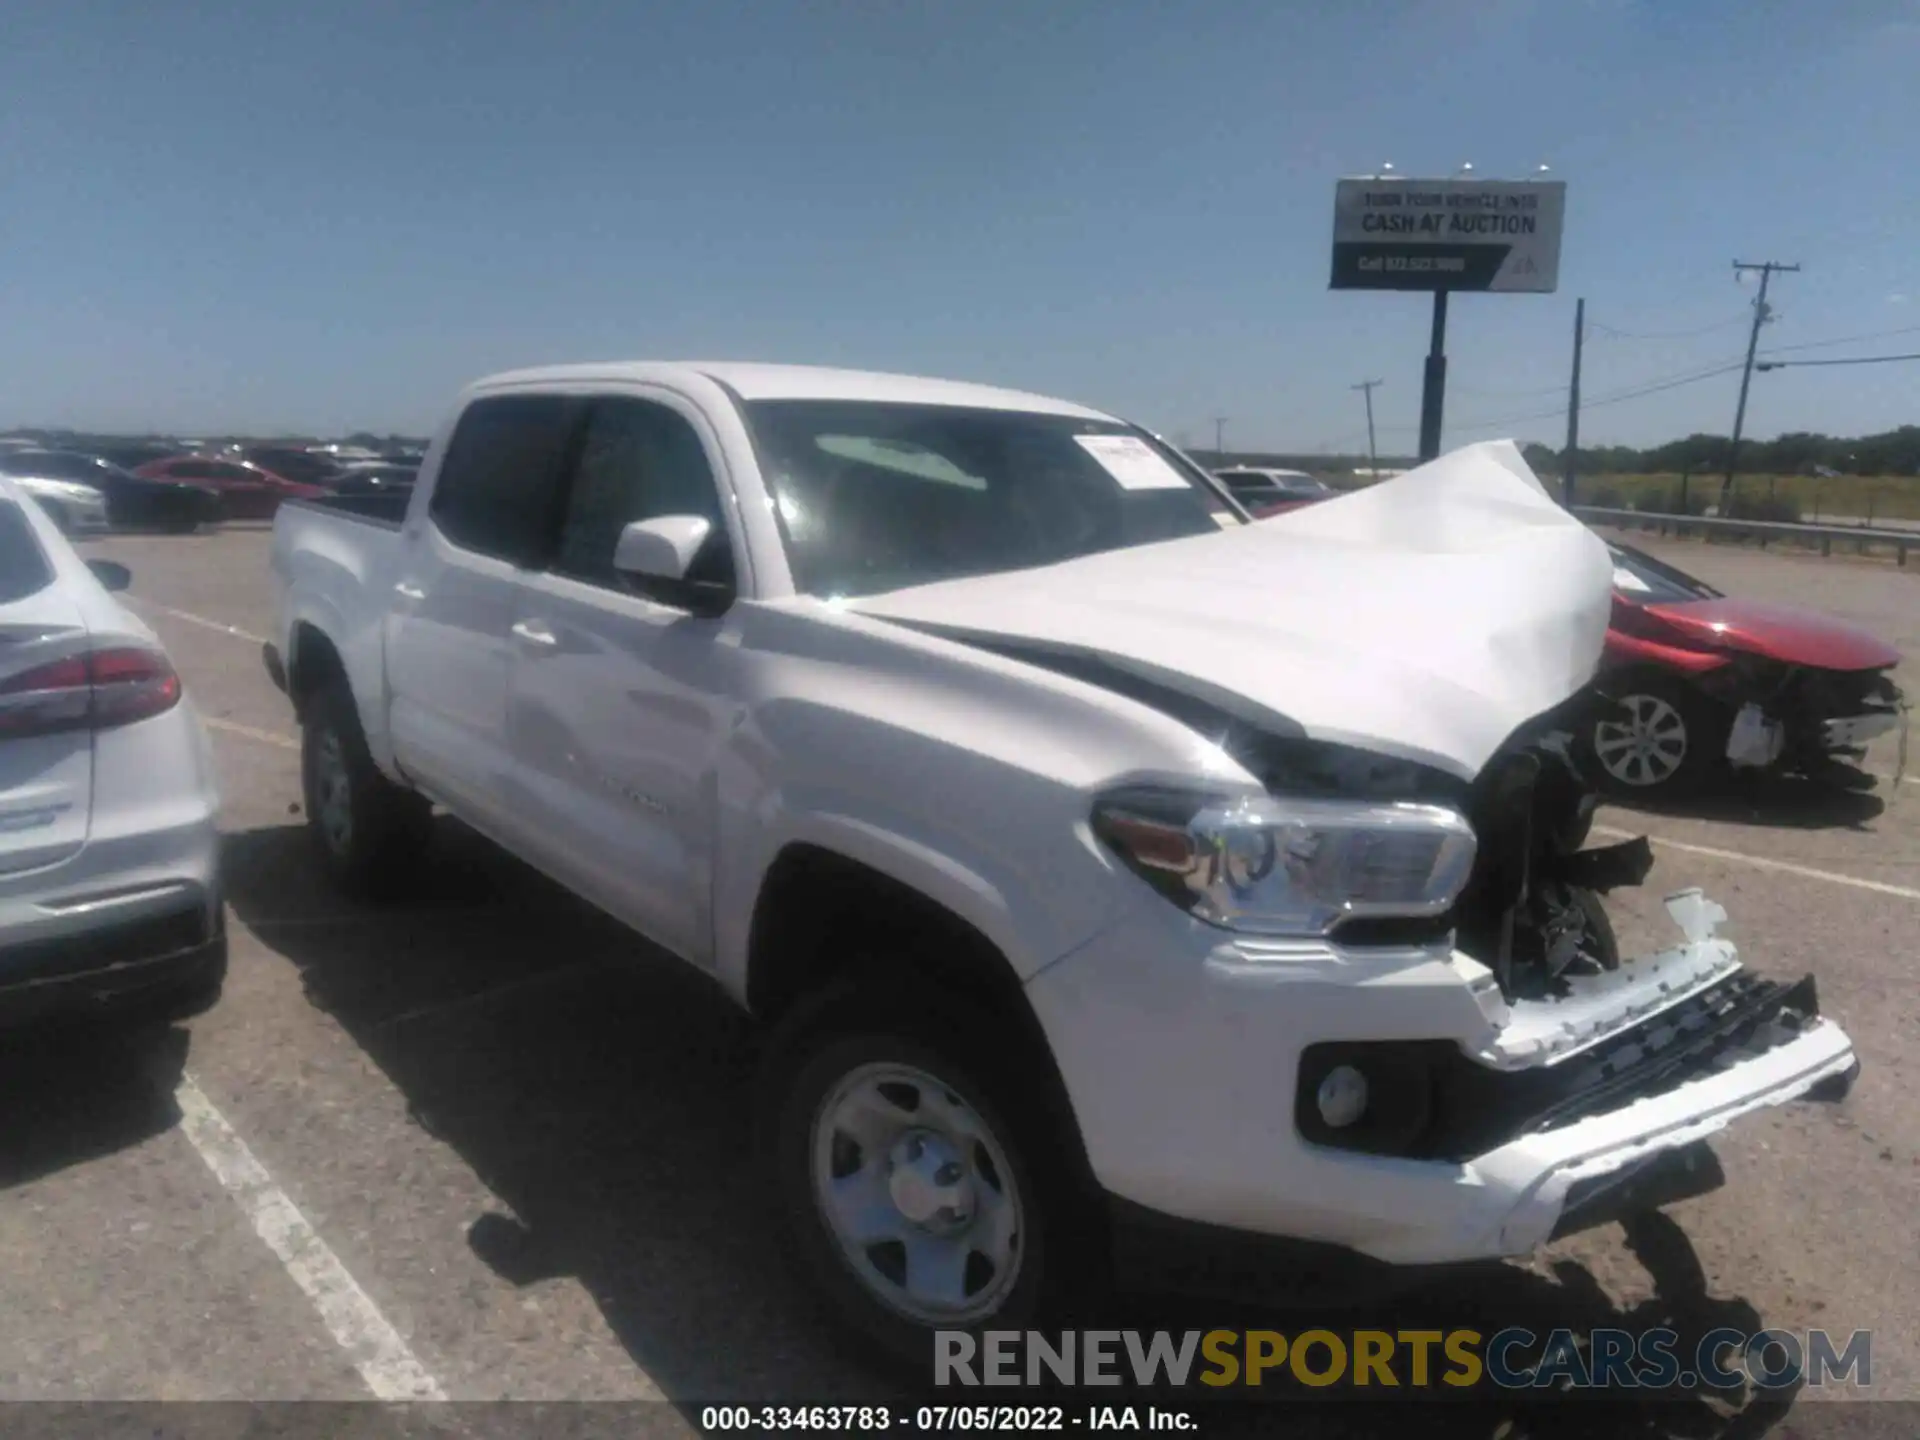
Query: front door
619,702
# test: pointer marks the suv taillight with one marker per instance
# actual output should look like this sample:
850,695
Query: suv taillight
94,690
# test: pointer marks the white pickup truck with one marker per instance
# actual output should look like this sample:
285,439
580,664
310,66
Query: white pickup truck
1106,864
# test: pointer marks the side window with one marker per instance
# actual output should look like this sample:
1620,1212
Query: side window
191,470
496,487
638,461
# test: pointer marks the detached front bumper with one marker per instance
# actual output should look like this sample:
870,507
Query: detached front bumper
1651,1060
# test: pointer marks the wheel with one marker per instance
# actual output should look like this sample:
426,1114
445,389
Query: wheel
1666,739
911,1176
180,524
370,832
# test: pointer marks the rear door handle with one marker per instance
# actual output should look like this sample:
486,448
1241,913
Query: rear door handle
534,632
409,592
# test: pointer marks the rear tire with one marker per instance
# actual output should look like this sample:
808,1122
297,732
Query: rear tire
958,1209
1671,741
371,833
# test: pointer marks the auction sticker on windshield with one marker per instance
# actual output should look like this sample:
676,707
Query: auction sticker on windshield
1132,462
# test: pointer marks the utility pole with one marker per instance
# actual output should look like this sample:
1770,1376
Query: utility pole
1760,317
1433,382
1220,439
1366,387
1573,404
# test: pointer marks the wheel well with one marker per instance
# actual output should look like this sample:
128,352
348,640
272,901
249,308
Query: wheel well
311,662
822,917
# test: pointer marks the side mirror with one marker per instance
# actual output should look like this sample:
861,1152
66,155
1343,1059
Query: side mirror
110,573
662,548
656,558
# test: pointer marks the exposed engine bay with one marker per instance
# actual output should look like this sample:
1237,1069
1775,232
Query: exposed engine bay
1533,911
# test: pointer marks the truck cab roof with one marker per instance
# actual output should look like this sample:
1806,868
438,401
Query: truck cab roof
753,381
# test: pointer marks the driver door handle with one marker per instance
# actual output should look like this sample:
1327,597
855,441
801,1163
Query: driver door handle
534,632
408,591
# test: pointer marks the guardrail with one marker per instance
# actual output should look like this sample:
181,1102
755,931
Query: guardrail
1765,530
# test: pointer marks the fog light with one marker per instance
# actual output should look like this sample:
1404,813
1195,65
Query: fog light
1342,1096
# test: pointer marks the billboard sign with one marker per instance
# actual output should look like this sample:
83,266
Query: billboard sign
1492,235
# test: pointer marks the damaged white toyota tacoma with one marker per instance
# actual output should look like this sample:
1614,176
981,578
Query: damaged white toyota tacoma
1104,865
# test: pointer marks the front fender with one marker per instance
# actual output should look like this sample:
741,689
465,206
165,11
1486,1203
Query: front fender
1027,924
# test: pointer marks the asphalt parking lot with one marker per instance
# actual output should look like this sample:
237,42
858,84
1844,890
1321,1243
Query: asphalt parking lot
485,1146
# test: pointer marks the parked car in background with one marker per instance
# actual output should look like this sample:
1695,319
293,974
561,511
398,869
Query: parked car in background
132,502
130,455
307,467
1272,492
376,478
110,895
977,745
1706,682
247,491
74,508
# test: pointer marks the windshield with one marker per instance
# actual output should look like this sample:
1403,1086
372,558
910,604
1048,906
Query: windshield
872,496
1641,577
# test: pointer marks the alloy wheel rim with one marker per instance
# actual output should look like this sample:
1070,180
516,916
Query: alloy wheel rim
1648,748
918,1195
333,792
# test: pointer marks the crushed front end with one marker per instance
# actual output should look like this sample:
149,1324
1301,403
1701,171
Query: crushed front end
1425,1090
1578,1029
1804,719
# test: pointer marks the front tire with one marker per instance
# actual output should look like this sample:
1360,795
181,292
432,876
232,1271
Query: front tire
1668,740
910,1178
370,832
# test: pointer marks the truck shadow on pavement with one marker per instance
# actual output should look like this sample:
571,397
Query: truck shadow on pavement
603,1093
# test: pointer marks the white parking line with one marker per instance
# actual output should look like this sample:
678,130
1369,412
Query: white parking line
1761,862
265,737
200,620
355,1322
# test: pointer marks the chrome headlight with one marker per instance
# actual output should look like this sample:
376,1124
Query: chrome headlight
1270,865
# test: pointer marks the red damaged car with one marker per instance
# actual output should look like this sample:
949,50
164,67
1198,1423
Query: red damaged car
1704,682
247,491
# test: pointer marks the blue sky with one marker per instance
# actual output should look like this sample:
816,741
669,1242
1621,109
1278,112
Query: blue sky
321,217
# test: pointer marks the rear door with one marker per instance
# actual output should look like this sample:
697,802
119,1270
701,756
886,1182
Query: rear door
46,758
449,647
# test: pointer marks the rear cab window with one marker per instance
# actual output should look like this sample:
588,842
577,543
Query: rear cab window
24,567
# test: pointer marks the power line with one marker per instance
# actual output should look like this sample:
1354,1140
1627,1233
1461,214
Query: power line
1665,334
1616,398
1842,340
1857,360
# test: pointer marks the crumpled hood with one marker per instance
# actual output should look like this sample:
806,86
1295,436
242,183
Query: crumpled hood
1784,632
1427,617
